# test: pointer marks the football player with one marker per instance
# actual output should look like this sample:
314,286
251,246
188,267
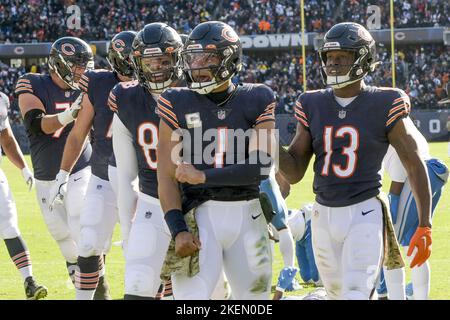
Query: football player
49,104
404,213
348,128
9,229
155,55
99,213
220,183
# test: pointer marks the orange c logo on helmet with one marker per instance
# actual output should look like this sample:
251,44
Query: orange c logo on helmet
118,45
229,34
68,49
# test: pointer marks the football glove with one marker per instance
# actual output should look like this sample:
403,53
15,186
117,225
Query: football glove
28,177
71,113
58,190
421,243
285,278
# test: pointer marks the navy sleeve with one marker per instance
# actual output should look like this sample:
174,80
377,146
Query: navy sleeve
397,108
300,113
86,83
265,107
30,83
27,84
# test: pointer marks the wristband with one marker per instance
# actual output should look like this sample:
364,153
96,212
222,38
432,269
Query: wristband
175,221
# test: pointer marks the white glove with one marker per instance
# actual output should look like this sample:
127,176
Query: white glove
58,190
71,113
28,177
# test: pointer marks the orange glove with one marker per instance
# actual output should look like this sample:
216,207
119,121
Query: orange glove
422,240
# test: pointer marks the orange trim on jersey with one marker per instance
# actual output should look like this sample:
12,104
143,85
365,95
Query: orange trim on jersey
23,89
405,99
84,83
394,110
298,104
264,119
166,102
110,102
164,109
270,107
301,113
112,96
23,80
392,119
24,85
83,76
170,120
302,121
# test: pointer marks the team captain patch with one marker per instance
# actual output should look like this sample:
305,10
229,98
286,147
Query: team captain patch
193,120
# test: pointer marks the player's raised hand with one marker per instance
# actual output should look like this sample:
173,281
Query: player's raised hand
58,190
421,240
186,173
28,177
186,244
71,113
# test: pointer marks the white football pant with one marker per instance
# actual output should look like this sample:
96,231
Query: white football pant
63,222
348,248
98,218
8,212
147,247
234,237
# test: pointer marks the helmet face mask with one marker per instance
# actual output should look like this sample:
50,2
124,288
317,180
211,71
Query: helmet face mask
119,53
156,57
69,58
347,37
157,71
203,69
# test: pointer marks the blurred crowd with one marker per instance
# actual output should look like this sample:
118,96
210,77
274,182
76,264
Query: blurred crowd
38,20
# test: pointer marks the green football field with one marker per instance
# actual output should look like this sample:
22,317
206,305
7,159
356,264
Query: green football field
49,266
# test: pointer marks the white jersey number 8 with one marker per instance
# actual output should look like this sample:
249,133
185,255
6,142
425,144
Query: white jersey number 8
148,144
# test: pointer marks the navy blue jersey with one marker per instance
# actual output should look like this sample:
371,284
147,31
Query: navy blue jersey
47,149
97,84
350,142
183,108
136,108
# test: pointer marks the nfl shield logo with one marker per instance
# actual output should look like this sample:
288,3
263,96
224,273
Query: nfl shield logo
221,114
342,114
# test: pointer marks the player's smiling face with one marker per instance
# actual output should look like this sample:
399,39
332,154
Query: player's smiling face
158,68
203,65
339,62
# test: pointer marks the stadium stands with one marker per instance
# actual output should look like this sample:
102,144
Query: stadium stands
37,20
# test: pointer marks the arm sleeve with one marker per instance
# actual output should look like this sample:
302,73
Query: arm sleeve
300,113
167,113
266,105
127,167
